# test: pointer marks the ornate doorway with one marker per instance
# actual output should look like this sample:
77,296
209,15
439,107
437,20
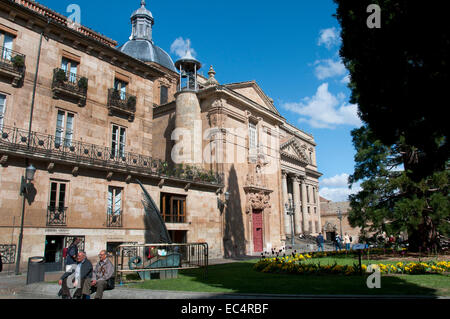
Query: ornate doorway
257,220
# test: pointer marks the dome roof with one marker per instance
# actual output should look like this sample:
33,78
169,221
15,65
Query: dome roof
141,45
146,51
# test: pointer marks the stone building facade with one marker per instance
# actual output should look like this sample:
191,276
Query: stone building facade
93,118
331,221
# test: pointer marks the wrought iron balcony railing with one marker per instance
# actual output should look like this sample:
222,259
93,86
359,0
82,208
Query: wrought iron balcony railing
66,84
114,219
50,148
12,65
56,216
121,103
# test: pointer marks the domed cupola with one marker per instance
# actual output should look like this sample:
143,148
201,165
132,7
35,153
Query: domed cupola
142,22
141,45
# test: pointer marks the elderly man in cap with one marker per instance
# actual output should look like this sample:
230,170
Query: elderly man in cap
78,277
102,272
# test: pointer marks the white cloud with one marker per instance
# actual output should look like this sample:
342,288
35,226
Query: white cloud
325,110
346,79
336,181
181,47
336,188
329,68
329,37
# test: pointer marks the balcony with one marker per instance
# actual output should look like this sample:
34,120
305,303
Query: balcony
12,66
69,86
114,219
56,216
122,104
38,146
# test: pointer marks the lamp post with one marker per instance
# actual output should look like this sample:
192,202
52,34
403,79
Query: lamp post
339,213
220,203
24,190
290,211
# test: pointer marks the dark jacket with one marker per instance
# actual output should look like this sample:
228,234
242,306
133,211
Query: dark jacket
85,271
71,251
320,239
1,263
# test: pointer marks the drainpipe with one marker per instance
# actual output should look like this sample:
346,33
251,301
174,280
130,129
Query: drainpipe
19,244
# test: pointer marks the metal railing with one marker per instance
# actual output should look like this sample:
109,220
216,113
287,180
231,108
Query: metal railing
49,147
114,219
122,100
12,60
151,261
56,216
8,253
69,81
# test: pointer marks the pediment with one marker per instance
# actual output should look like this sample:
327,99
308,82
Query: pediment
253,91
293,149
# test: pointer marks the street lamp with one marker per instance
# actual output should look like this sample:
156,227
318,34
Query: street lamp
220,203
290,211
339,213
24,190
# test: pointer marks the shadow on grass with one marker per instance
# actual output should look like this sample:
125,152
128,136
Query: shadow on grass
241,278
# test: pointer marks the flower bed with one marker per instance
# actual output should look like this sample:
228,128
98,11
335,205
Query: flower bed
295,265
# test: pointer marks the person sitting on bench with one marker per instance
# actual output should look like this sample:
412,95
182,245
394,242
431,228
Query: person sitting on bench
102,272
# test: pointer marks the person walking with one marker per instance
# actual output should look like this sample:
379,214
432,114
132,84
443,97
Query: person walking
320,241
72,253
337,242
80,277
102,272
347,241
1,263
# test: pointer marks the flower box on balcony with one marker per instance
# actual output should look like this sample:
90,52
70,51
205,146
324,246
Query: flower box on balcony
69,86
12,66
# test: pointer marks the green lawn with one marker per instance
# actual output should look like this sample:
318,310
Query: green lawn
239,277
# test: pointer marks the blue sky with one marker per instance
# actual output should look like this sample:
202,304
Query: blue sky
289,47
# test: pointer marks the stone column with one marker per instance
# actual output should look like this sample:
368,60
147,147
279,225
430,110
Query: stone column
287,227
297,217
318,211
304,205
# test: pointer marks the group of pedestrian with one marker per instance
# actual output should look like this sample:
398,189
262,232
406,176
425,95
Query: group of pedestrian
338,241
80,274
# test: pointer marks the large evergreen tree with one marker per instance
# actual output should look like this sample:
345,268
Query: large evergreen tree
400,75
399,79
393,203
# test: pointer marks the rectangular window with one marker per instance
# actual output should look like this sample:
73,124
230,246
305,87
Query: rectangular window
118,141
164,94
2,109
64,128
173,208
58,192
307,194
253,136
115,206
310,226
121,86
316,225
71,68
7,45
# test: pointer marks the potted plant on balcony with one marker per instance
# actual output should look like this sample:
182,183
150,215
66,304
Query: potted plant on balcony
18,61
60,76
131,103
83,83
